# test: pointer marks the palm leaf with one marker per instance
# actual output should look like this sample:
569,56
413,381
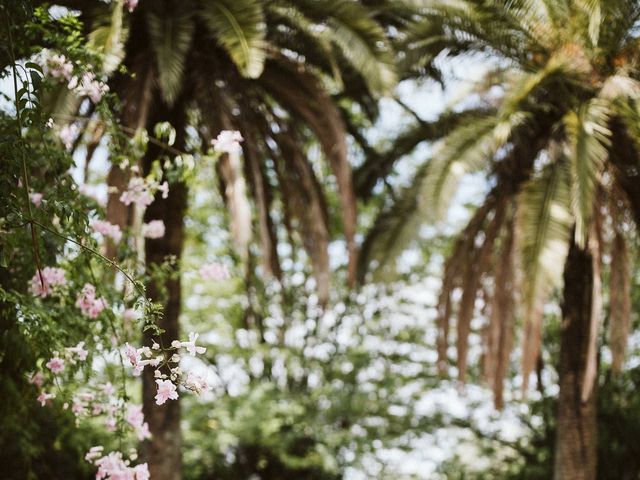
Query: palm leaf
467,149
358,37
502,320
239,26
302,94
544,228
108,37
304,198
393,230
588,138
170,32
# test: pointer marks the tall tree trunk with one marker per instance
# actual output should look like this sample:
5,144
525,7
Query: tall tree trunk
576,440
163,451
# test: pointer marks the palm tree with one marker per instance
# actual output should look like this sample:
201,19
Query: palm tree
267,69
560,153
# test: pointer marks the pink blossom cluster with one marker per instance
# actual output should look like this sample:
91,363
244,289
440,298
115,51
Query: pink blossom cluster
228,141
166,391
107,229
88,86
130,315
214,271
137,362
56,365
68,134
140,191
153,229
44,397
196,383
135,418
114,467
45,281
77,353
81,402
89,305
37,379
55,64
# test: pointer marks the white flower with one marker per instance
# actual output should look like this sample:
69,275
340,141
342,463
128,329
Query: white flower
153,229
228,141
191,345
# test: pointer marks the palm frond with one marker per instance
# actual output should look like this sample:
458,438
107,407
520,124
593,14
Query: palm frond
544,227
393,230
478,260
302,94
467,149
303,197
261,193
170,32
502,320
588,138
239,26
107,37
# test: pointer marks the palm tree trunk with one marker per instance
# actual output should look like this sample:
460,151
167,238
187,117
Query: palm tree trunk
576,440
163,451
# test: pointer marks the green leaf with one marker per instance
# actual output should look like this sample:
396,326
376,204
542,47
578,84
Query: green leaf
239,26
544,228
588,140
171,31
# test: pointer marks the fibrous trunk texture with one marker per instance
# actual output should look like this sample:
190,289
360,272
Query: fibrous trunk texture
576,440
163,451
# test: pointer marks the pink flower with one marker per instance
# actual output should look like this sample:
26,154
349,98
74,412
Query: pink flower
55,65
141,471
228,141
153,229
79,406
166,391
114,467
107,229
44,397
68,134
132,354
56,365
89,305
137,192
214,271
196,383
135,358
88,86
131,4
36,198
60,67
110,424
46,280
135,418
37,379
108,389
130,315
191,345
78,350
93,453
